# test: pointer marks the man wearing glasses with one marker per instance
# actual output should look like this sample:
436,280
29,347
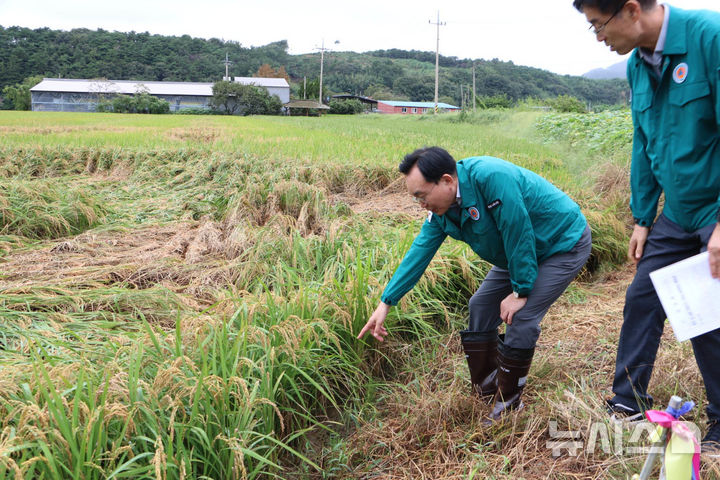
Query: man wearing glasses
533,233
674,74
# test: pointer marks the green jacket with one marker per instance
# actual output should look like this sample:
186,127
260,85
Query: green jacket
676,144
510,216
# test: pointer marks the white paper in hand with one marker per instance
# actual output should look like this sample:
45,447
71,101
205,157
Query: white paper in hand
689,295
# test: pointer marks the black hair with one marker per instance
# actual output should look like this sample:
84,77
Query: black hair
610,6
433,163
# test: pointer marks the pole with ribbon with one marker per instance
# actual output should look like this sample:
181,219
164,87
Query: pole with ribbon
674,442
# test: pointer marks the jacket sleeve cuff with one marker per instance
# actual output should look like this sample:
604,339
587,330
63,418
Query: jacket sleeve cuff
643,222
388,301
523,290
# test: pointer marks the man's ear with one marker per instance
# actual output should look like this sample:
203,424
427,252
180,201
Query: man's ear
634,9
447,178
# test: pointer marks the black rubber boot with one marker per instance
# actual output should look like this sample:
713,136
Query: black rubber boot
513,367
481,354
711,441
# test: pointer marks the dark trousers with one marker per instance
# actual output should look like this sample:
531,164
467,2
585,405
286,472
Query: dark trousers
644,319
554,276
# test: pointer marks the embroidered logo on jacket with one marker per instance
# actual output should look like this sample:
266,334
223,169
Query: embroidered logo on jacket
493,204
474,213
680,73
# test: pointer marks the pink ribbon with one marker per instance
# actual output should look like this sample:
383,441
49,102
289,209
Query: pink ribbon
667,421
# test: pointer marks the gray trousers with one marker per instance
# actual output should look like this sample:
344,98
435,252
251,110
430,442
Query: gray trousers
554,275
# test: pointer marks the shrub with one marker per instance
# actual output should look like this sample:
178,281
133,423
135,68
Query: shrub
140,103
495,101
196,111
567,104
346,107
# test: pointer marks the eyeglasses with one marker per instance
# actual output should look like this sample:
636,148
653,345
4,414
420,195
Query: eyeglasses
423,198
597,30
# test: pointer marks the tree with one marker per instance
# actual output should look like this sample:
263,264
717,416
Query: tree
225,97
18,95
380,92
418,88
266,71
309,90
233,97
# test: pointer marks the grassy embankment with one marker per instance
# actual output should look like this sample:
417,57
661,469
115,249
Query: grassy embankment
179,298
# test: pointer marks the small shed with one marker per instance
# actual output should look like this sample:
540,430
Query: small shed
305,106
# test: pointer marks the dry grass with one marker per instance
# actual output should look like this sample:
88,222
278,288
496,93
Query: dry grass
196,135
430,426
195,258
393,198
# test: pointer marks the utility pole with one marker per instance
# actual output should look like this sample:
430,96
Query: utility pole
322,60
227,63
474,102
437,57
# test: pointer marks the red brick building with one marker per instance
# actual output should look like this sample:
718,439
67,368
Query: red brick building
390,106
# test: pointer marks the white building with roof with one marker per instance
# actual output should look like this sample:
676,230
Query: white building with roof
275,86
83,95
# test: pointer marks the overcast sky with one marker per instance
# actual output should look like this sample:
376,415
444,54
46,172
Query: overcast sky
548,34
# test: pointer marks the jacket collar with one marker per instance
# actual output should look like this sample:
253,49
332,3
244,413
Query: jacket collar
676,41
466,191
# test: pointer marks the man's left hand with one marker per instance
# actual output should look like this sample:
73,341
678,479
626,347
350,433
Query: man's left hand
511,305
713,249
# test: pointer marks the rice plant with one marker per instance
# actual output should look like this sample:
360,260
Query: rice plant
180,296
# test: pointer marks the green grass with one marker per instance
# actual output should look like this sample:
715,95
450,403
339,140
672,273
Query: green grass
366,140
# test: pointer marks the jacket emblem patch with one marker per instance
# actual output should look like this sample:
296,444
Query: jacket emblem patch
474,213
680,73
493,204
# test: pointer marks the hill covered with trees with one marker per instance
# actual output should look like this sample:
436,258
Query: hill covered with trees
385,74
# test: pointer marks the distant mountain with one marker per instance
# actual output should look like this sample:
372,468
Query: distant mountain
616,70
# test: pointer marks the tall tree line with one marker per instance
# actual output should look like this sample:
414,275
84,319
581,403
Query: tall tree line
382,74
82,53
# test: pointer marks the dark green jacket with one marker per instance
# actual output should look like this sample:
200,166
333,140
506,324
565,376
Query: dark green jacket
676,145
510,216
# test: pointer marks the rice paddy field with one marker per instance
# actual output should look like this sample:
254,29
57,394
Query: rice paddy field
180,297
